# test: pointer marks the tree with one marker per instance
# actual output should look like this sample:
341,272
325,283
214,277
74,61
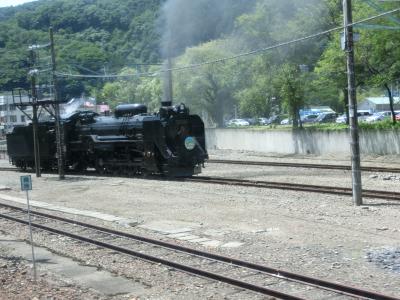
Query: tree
133,89
380,52
331,80
118,33
290,85
210,87
256,93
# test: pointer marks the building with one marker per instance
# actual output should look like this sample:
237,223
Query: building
11,115
376,104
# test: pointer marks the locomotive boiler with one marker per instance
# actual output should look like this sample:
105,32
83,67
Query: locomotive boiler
133,141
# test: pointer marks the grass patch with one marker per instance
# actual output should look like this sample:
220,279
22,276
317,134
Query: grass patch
382,125
326,127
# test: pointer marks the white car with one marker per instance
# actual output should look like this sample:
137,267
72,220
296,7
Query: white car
362,116
285,122
237,122
309,118
379,116
341,119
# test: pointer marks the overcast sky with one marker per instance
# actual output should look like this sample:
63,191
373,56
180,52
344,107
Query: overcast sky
4,3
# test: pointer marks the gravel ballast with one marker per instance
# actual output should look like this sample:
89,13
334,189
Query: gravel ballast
319,235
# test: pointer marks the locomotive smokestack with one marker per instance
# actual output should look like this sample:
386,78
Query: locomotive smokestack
167,84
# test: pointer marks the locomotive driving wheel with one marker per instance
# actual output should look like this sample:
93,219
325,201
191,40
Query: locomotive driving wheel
100,168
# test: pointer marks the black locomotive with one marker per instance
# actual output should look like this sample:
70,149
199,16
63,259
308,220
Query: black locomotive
131,142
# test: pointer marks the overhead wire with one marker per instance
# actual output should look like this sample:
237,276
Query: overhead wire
233,57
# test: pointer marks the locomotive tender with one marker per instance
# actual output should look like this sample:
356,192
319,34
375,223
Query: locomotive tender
170,142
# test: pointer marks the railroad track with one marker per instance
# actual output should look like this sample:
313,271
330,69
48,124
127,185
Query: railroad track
238,273
281,164
6,169
376,194
303,165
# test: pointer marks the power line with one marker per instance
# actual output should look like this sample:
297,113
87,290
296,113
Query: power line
237,56
379,8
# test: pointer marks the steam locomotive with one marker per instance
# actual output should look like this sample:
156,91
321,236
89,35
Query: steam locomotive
133,141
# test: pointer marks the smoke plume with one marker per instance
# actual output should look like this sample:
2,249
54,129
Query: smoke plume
187,23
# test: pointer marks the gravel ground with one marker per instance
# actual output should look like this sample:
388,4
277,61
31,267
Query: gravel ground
17,283
319,235
366,160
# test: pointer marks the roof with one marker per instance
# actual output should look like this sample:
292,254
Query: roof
381,100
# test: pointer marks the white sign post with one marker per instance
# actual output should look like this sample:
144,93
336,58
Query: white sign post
26,185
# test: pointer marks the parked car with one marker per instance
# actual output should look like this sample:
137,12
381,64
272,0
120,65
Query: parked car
251,121
398,116
326,118
309,118
263,121
274,120
362,115
379,116
286,121
237,122
342,119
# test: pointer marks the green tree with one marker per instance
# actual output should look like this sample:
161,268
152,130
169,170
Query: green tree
132,89
290,86
379,51
255,95
210,87
330,81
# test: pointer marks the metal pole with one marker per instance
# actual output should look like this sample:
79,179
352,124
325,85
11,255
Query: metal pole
59,129
36,149
355,146
36,140
30,237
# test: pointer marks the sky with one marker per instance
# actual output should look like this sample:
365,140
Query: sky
4,3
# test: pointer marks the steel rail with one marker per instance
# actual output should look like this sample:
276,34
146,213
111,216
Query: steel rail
376,194
302,165
280,164
331,286
6,169
178,266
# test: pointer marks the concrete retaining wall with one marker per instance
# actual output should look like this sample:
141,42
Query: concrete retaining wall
302,142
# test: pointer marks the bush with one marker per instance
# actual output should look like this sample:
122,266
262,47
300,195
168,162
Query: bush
386,124
382,125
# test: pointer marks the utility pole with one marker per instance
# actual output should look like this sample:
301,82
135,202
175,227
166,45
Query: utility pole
59,129
351,79
36,149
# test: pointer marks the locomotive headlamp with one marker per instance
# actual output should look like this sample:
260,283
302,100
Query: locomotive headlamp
190,143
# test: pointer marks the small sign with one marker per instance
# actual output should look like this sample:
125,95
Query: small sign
356,38
26,183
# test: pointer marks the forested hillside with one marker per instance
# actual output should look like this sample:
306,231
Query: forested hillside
100,37
90,34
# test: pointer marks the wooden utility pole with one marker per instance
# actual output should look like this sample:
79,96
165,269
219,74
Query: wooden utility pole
36,149
351,79
59,129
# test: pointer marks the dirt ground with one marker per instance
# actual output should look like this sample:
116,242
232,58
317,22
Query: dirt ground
323,236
